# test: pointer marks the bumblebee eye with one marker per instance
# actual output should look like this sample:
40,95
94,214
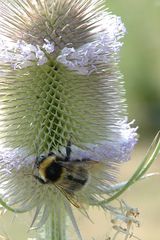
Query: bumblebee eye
42,157
51,154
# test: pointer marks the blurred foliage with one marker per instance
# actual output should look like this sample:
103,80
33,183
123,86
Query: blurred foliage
140,61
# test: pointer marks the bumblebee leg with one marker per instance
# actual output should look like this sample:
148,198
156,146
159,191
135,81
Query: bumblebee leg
68,151
39,179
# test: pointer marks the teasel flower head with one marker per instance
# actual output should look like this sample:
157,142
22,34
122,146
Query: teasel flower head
60,82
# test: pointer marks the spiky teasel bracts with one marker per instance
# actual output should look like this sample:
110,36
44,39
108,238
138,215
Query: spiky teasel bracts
62,76
60,81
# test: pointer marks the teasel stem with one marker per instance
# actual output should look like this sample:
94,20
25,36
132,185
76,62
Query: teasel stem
55,227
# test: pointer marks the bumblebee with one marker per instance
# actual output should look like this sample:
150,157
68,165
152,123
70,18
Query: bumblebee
69,176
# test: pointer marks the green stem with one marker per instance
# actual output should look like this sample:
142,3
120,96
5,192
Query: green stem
150,157
55,227
3,204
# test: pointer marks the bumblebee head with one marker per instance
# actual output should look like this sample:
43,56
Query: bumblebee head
47,169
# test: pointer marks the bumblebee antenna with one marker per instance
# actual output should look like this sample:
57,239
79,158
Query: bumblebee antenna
36,157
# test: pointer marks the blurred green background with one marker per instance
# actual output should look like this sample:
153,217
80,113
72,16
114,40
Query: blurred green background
140,61
140,65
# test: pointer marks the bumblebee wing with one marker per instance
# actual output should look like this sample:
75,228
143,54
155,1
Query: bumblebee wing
86,163
70,196
75,176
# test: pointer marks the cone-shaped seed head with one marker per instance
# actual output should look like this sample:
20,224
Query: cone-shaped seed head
61,79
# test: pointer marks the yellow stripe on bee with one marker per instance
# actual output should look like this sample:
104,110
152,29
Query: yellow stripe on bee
45,163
